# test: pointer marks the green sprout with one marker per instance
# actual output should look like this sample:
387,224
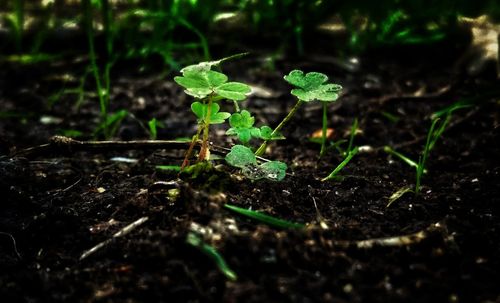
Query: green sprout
435,132
208,86
153,128
310,87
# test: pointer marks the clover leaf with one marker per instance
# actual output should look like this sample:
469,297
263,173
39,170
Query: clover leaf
273,170
233,91
242,120
266,133
200,83
311,87
242,126
243,158
201,110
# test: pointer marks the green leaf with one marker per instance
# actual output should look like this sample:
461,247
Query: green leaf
219,117
199,109
200,84
333,174
274,170
216,117
233,91
241,156
263,217
215,79
175,168
153,131
195,86
207,65
311,87
242,120
242,126
244,134
266,132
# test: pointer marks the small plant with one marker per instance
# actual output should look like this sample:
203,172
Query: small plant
435,132
310,87
433,135
153,126
208,87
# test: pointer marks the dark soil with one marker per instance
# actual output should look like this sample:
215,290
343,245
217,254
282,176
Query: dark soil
57,206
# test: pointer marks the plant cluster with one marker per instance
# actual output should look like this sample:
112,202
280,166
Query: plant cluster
209,87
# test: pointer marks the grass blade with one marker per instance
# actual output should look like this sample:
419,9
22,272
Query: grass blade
270,220
210,251
334,173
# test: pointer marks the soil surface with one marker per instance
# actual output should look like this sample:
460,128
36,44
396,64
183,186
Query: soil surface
440,246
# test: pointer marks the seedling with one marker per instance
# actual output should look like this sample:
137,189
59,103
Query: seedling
309,87
434,133
153,125
270,220
209,87
432,136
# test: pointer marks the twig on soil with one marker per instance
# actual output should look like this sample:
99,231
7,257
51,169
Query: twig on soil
122,232
13,242
61,144
395,241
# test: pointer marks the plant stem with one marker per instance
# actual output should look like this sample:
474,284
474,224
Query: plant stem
354,129
324,129
262,149
191,146
206,127
431,139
